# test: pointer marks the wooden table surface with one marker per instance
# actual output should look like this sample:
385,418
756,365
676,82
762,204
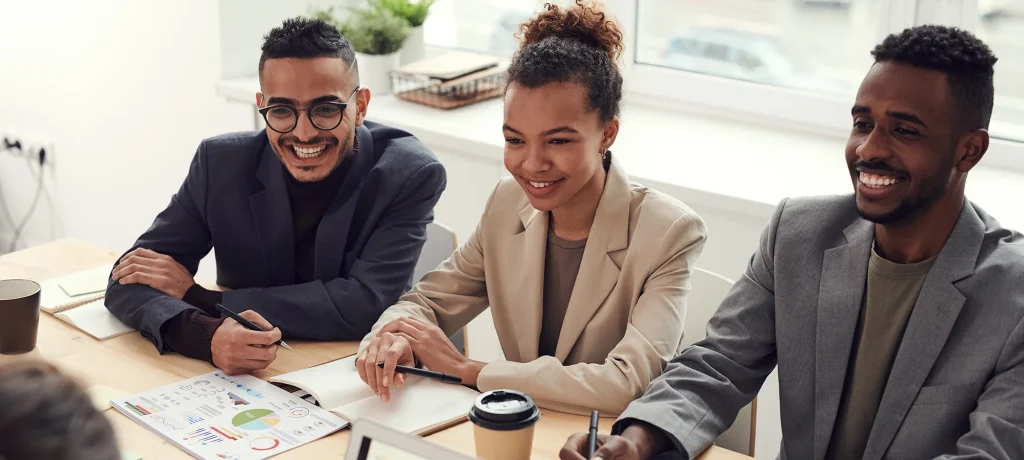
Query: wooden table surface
131,363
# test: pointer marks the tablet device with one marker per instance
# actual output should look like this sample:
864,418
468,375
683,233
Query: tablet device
370,441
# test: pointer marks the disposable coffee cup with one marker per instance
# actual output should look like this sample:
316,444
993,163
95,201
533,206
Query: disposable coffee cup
503,423
19,316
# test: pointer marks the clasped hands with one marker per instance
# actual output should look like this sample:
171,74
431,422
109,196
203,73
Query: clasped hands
402,342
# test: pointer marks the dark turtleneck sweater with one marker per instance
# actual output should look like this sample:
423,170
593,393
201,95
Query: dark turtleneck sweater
190,333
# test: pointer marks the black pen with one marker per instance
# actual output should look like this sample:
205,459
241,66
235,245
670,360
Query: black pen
592,439
425,373
248,324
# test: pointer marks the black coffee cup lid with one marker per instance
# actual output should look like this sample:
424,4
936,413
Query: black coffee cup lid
504,410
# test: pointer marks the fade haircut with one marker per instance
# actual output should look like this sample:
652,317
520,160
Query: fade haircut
306,38
967,62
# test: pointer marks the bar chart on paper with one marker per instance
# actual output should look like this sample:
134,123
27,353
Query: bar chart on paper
240,417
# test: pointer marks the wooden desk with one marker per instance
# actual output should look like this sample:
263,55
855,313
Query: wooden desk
131,363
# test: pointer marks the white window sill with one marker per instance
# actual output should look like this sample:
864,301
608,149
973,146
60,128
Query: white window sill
742,167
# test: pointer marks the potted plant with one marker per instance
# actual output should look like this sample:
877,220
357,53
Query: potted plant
376,36
415,13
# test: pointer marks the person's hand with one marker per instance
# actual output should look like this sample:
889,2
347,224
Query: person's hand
434,350
608,448
238,350
155,270
639,441
391,350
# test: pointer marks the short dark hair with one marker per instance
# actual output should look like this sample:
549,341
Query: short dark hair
577,44
45,415
306,38
966,60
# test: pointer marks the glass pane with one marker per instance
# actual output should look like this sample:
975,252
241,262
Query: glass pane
1002,27
487,26
816,45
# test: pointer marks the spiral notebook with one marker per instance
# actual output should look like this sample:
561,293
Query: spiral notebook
421,407
77,299
74,290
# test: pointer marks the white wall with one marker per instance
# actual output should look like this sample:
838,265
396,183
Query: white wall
124,90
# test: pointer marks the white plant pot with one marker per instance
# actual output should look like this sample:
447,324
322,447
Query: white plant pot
375,72
412,49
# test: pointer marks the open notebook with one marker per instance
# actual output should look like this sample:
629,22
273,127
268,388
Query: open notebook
422,406
77,299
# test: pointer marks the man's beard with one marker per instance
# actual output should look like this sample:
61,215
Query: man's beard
912,207
282,148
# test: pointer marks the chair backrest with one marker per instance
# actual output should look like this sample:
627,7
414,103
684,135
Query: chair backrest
707,290
441,243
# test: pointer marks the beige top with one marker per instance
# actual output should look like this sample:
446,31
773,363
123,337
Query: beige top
892,291
618,333
561,265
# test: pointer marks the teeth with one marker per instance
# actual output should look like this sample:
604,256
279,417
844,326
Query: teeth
541,184
877,180
308,152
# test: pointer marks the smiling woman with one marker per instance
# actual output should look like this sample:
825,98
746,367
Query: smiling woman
597,296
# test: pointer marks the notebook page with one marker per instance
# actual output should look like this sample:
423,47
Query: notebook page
85,282
54,299
418,406
94,319
332,384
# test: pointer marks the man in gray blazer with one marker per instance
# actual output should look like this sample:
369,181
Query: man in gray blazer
317,221
895,316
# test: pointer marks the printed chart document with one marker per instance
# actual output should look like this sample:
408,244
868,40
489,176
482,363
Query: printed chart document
216,416
422,406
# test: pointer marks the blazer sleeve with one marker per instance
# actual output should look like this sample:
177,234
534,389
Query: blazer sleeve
652,336
179,231
449,296
702,390
997,424
345,308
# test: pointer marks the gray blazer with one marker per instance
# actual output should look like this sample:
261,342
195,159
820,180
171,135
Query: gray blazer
957,385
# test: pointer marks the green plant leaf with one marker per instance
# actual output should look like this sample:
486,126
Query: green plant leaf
375,31
414,12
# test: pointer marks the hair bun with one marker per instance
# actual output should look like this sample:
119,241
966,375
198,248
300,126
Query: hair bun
585,22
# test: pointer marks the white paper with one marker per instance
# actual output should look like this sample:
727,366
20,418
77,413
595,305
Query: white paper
216,416
94,319
421,403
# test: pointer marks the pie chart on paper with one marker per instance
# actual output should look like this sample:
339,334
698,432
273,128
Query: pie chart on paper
256,419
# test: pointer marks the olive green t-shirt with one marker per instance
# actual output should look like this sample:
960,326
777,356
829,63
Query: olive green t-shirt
561,265
891,292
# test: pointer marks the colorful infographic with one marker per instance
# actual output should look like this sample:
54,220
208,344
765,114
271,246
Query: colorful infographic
216,416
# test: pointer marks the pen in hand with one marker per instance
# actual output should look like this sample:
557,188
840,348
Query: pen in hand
425,373
592,439
247,324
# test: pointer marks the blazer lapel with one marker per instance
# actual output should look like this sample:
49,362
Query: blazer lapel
598,273
843,279
332,233
272,216
525,251
933,318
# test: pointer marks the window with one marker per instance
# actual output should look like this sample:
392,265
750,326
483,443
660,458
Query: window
1001,26
813,45
487,26
795,63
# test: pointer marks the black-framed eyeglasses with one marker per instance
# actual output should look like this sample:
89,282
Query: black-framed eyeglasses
323,115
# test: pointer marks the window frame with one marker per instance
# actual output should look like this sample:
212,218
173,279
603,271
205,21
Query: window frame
788,108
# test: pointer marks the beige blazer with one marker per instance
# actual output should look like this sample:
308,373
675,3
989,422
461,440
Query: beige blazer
625,317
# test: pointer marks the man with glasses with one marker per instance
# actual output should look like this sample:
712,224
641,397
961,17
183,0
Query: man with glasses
317,221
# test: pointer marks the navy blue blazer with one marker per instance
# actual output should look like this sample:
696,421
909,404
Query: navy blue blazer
235,200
